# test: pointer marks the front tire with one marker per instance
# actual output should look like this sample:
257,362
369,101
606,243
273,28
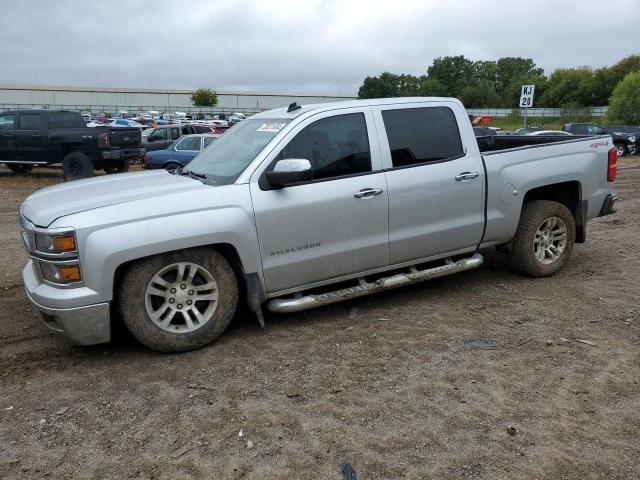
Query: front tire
179,301
544,239
76,165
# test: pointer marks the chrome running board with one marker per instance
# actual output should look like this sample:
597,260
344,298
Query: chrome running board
304,302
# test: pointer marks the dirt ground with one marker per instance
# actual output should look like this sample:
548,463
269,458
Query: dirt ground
481,375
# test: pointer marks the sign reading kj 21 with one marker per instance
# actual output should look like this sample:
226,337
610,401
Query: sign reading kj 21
526,96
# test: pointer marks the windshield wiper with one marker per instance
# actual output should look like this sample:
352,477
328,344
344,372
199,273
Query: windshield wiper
194,174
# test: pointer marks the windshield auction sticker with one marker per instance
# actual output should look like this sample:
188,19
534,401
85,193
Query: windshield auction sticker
271,127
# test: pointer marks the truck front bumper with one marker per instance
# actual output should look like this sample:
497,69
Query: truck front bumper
82,325
609,202
124,153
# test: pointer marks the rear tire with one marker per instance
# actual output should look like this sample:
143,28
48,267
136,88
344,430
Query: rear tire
19,167
166,306
76,165
544,239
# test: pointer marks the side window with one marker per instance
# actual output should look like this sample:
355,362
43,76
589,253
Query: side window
29,121
422,135
208,141
66,120
188,143
175,133
7,122
335,146
159,134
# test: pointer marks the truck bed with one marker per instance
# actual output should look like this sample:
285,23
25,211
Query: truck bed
492,143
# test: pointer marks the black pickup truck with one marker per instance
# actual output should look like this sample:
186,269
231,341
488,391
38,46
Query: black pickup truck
624,142
31,138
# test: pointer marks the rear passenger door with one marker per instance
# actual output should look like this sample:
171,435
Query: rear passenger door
30,143
436,187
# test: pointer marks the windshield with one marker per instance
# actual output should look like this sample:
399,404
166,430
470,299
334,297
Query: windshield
229,155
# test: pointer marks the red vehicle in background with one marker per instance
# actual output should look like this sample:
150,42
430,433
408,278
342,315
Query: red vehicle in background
482,120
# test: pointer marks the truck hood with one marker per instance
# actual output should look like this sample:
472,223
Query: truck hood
43,207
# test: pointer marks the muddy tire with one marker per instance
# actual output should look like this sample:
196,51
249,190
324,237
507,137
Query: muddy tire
19,167
544,239
179,301
76,165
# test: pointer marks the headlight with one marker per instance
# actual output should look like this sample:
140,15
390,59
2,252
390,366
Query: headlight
54,244
632,138
60,274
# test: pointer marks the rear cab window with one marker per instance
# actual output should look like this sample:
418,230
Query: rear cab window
66,120
422,135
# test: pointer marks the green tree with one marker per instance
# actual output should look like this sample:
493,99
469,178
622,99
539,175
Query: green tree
378,87
624,106
451,72
569,86
479,94
389,85
430,87
512,70
204,97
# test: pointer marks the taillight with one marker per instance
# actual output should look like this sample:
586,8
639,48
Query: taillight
103,140
612,164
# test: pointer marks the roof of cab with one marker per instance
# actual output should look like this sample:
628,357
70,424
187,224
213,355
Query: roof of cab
321,107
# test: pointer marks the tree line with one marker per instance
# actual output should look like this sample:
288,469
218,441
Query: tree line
497,83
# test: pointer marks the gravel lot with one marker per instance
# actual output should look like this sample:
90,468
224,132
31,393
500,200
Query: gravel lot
483,375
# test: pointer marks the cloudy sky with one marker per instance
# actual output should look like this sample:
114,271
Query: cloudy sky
295,46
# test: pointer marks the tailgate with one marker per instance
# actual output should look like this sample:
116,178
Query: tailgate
125,137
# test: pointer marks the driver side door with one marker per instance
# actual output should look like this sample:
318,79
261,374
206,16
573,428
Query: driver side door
325,228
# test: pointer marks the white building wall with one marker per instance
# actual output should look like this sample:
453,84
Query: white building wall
143,99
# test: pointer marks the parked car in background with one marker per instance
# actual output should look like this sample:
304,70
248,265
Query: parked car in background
624,142
179,153
626,129
552,133
31,138
484,131
126,123
527,130
161,137
482,120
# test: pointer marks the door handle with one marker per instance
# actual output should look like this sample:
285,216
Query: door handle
466,176
367,193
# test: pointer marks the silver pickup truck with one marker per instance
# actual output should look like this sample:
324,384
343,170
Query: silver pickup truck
305,206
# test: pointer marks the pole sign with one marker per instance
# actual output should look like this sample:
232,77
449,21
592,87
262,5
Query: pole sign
526,96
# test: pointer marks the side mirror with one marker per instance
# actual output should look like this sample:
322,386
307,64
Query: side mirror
292,170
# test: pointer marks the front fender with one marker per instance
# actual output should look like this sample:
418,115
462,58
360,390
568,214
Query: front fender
107,249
